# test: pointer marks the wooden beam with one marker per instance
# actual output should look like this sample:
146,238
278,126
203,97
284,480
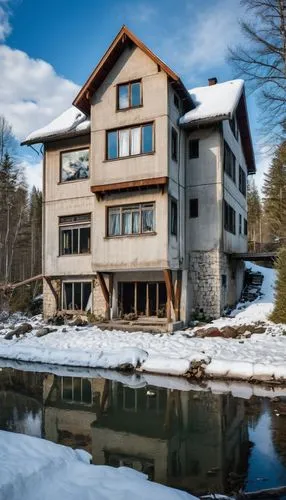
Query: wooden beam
178,293
103,288
20,283
55,294
101,189
170,292
110,290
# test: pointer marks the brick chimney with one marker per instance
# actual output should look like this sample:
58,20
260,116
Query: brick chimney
212,81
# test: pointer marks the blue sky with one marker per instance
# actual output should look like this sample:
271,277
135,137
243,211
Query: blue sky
48,49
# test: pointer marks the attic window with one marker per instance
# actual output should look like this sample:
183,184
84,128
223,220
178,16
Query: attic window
129,95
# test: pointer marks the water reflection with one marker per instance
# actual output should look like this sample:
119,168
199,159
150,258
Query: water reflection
194,440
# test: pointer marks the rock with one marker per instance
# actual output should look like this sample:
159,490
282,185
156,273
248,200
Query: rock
57,319
44,331
79,321
229,332
208,332
20,330
127,367
4,315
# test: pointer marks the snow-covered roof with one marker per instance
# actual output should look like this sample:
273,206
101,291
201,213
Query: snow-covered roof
214,102
70,121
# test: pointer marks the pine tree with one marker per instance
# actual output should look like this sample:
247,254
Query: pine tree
254,207
279,312
274,191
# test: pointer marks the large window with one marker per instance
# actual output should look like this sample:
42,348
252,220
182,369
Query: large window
131,219
129,95
174,217
76,390
242,181
74,165
229,218
76,296
74,234
130,141
229,162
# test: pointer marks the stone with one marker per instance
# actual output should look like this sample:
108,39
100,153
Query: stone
209,332
44,331
20,330
229,332
79,321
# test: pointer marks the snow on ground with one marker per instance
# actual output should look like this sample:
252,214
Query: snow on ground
260,357
36,469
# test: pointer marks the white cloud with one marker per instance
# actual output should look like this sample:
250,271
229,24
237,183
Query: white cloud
33,173
202,43
143,13
31,93
5,27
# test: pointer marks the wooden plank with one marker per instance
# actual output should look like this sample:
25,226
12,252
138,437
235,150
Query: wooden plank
178,293
117,186
20,283
103,286
170,292
110,290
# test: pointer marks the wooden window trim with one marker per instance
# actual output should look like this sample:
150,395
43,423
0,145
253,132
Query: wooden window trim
73,150
70,226
130,127
129,83
121,208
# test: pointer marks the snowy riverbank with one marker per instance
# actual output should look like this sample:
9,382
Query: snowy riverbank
36,469
260,357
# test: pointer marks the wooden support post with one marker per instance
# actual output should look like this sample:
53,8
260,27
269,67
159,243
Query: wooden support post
55,294
104,292
178,293
110,291
170,292
147,300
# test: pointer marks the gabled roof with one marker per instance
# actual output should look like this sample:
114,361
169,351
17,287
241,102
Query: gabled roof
124,38
214,103
70,123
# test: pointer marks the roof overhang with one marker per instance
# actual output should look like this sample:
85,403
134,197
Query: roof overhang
102,189
124,39
55,137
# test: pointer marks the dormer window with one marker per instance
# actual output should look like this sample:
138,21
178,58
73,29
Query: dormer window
129,95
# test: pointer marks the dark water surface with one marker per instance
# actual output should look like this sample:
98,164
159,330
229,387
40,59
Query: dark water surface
195,440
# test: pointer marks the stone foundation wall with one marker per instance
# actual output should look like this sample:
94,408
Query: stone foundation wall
98,301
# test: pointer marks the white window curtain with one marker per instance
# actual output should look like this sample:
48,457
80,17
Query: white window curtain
127,222
135,222
147,220
114,224
135,140
123,142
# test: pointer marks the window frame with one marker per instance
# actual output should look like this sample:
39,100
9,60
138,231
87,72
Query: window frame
174,203
192,156
130,127
121,208
242,181
73,150
129,84
65,281
239,224
229,218
229,170
174,144
196,211
74,225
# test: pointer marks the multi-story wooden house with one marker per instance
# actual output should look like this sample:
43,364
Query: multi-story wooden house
144,189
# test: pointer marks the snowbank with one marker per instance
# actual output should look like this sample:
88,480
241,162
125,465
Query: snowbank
260,357
36,469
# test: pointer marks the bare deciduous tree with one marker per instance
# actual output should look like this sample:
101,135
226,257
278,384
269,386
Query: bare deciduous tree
261,60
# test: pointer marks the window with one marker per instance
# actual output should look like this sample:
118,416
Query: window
74,165
229,162
229,218
130,141
193,148
129,95
194,208
240,224
245,227
176,101
233,126
76,295
223,280
174,144
74,234
77,390
242,181
131,219
174,218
